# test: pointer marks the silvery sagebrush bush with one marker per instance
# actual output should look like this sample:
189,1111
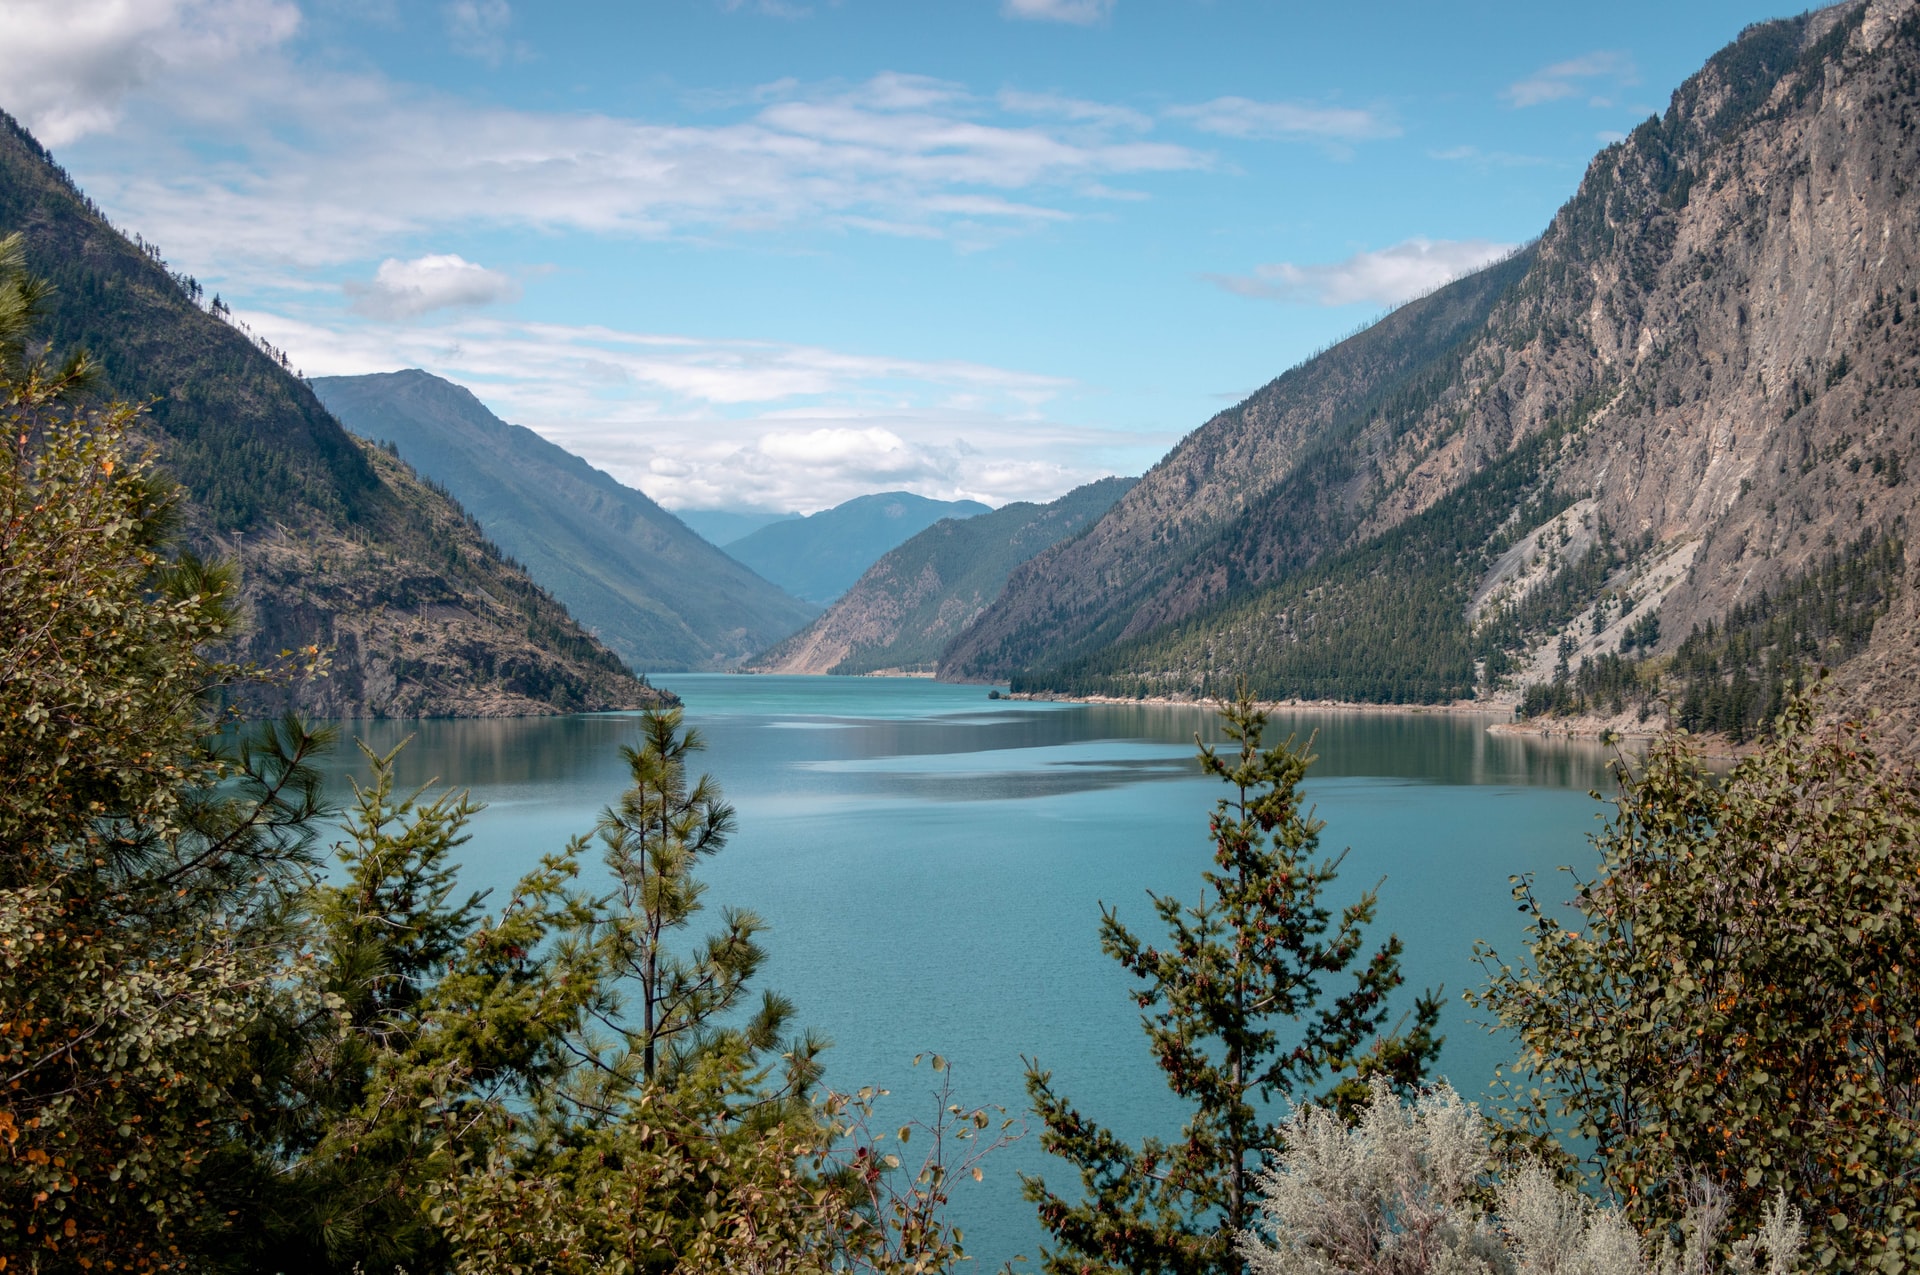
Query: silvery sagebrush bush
1412,1189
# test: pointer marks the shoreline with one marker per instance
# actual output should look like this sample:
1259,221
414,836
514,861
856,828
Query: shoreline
1599,731
1466,708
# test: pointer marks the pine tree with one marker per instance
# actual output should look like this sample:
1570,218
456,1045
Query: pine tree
664,824
1262,992
350,1143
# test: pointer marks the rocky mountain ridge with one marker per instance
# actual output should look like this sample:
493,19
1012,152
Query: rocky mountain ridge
642,581
819,557
1249,495
1706,370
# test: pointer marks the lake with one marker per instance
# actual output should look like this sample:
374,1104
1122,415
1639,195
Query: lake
932,864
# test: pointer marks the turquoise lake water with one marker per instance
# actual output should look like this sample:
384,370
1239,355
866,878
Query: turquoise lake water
932,865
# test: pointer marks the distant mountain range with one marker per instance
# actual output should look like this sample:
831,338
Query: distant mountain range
917,599
635,575
338,543
819,557
1653,464
724,526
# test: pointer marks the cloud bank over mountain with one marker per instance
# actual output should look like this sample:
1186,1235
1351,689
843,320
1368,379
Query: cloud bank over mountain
1386,276
705,423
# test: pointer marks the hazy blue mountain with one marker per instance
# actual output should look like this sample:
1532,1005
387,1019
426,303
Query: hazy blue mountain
917,599
819,557
627,569
724,526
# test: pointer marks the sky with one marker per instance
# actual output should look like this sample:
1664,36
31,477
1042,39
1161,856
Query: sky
773,254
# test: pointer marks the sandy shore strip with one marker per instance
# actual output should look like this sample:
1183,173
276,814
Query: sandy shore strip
1465,708
1625,730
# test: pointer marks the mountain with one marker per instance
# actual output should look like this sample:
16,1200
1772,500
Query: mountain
338,544
635,575
1250,495
909,605
819,557
724,526
1656,460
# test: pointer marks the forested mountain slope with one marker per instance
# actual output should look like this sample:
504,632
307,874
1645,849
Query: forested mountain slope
339,545
820,556
1244,498
912,603
1694,400
642,581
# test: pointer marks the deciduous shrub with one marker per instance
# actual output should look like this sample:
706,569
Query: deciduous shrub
1733,998
145,860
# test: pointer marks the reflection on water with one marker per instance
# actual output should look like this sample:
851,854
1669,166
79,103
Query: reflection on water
907,730
932,864
505,753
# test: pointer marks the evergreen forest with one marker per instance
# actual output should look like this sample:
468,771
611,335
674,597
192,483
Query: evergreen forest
1736,678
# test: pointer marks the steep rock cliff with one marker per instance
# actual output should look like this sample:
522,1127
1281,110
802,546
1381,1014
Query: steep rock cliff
1707,365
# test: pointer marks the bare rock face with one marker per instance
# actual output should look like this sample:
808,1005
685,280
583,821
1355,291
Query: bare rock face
1741,327
870,616
1714,348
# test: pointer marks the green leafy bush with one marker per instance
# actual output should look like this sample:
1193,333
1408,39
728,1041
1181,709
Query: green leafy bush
145,860
1734,999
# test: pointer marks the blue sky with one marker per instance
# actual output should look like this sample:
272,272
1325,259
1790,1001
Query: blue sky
773,255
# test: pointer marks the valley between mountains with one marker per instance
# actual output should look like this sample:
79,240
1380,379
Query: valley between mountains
1655,467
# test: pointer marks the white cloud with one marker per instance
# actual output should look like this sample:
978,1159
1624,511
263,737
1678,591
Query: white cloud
1284,121
478,29
872,450
1077,109
1474,157
772,8
1387,276
1572,77
692,374
813,464
327,169
698,423
1078,12
443,281
268,172
67,67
